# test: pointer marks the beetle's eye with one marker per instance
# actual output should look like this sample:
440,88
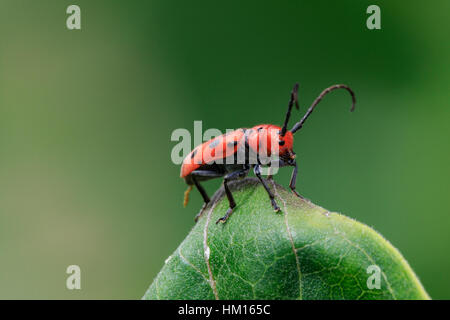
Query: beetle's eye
281,143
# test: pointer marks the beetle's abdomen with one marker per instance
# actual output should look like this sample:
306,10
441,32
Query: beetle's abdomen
214,150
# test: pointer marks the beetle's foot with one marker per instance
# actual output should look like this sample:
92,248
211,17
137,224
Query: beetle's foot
201,211
276,208
297,194
226,216
300,196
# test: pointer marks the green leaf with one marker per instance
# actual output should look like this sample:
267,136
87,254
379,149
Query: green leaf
303,252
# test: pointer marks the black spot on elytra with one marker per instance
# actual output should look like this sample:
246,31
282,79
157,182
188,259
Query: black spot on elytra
214,144
281,143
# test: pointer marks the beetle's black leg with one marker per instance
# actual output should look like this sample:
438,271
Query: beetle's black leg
205,198
270,176
271,196
230,200
227,178
294,180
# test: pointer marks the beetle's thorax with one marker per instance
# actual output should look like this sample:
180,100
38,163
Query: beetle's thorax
268,138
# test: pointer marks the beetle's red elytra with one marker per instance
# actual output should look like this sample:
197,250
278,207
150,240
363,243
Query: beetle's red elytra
233,154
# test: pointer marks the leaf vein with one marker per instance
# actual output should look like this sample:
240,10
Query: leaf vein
207,252
291,239
185,260
355,245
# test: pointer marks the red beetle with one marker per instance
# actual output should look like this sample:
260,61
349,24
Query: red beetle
232,155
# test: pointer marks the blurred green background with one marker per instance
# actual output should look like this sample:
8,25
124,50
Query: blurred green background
86,118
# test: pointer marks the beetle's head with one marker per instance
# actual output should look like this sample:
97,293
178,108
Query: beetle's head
285,144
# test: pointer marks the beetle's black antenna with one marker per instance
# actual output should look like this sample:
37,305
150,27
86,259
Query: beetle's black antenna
299,124
294,99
